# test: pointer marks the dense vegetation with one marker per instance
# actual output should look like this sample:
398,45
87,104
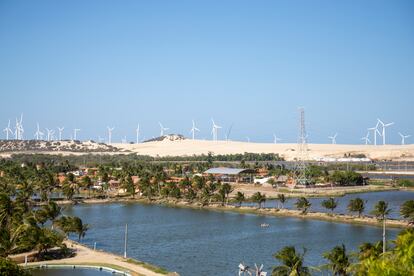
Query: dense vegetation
369,260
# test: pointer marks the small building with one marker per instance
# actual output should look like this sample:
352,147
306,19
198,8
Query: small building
231,174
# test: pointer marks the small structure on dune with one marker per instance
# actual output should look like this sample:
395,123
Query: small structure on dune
231,174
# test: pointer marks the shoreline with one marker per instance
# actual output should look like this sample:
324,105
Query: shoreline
321,216
87,257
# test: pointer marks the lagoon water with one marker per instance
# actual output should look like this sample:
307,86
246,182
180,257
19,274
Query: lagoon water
202,242
394,198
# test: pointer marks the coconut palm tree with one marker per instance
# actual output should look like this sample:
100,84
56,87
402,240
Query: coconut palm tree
407,211
6,210
259,198
330,204
291,263
303,204
79,227
338,260
240,198
282,199
369,250
381,211
356,205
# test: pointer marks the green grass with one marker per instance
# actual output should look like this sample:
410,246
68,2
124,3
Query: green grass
148,266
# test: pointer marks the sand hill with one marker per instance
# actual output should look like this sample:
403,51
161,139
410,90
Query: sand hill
288,151
177,146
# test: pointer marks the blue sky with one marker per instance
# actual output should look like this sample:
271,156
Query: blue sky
89,64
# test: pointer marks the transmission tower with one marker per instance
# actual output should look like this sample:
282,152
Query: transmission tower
302,153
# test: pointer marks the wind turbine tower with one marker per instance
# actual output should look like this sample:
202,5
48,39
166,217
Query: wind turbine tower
375,130
193,130
333,138
403,137
8,130
60,132
366,139
384,126
110,129
38,134
214,130
50,133
75,133
162,128
19,128
276,139
137,131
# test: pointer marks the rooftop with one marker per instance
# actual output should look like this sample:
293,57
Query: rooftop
229,171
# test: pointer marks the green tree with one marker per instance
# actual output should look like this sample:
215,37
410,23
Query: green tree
240,197
338,260
9,268
398,261
282,199
381,210
259,198
68,190
330,204
129,185
291,263
356,205
406,211
303,205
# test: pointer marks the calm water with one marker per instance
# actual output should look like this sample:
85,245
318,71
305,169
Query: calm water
200,242
69,272
394,198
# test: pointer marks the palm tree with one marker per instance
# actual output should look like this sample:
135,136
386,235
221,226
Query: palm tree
368,250
282,199
227,189
356,205
292,263
80,228
259,199
330,204
303,204
407,211
338,260
381,211
6,210
240,198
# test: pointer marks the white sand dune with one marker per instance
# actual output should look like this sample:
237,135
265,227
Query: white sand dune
288,151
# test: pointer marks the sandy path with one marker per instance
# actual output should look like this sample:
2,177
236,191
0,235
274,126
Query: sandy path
85,256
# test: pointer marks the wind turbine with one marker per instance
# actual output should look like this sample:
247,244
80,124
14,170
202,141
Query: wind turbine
384,126
137,131
8,130
214,130
333,138
60,132
228,132
38,134
403,137
366,139
375,130
162,129
193,130
276,139
110,129
50,133
18,133
75,132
